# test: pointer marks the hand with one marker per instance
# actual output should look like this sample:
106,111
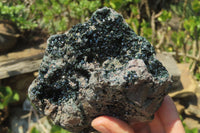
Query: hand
166,120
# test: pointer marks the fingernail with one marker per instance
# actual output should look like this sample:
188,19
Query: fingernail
102,129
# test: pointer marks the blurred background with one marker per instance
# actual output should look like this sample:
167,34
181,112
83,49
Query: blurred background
172,26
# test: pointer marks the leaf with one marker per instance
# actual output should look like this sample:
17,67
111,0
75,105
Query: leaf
16,97
34,130
1,106
112,5
58,129
8,90
16,13
196,6
1,4
7,96
166,15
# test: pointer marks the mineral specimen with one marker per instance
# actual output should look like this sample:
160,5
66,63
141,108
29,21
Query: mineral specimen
100,67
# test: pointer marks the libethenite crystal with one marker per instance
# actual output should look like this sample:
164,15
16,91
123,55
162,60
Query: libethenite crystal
100,67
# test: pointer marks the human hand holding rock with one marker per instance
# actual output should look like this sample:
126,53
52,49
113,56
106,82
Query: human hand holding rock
166,120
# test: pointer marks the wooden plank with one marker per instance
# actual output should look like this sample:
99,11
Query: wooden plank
11,62
20,62
29,52
19,67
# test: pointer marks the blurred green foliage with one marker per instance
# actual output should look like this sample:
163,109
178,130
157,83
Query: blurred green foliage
34,130
59,15
178,38
48,14
56,15
17,14
195,6
192,26
165,16
58,129
120,4
7,96
54,129
187,130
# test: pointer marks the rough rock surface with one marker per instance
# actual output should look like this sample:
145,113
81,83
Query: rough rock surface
100,67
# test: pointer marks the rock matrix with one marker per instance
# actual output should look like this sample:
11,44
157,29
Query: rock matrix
100,67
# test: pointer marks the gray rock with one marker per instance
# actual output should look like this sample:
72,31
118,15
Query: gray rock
100,67
192,123
170,64
193,110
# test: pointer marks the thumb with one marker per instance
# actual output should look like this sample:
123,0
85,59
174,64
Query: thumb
107,124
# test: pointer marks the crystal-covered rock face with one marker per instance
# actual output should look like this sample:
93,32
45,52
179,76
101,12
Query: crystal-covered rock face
100,67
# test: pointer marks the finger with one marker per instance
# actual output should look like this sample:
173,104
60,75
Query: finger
156,125
141,127
169,117
106,124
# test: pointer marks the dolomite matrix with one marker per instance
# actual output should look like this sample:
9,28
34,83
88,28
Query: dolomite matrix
100,67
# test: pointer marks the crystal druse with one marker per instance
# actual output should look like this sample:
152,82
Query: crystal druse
100,67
